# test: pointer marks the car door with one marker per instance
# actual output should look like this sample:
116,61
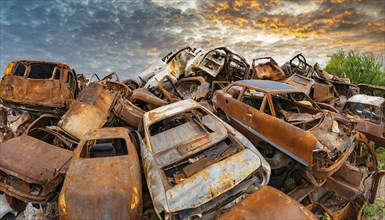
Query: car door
255,102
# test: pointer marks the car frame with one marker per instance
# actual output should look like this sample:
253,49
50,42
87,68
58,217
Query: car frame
218,182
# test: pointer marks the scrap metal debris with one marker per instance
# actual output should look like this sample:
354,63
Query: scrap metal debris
201,134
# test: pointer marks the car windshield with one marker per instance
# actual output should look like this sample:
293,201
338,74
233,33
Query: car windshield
366,112
41,71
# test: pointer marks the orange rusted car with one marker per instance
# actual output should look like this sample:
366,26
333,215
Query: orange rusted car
38,86
31,170
282,120
268,203
104,178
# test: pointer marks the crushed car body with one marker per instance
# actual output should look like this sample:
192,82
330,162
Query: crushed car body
93,108
371,113
104,178
220,63
31,170
38,86
266,70
189,150
288,120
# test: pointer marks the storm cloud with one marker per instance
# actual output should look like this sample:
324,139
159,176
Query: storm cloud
127,36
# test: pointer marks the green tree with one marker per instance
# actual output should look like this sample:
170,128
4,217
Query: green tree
358,67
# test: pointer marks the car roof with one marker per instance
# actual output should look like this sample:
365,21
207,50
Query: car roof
63,65
269,86
367,99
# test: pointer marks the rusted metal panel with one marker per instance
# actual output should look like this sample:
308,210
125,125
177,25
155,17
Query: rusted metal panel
107,187
182,155
223,63
268,70
374,132
31,159
373,90
145,99
322,92
139,101
195,88
301,82
92,109
268,203
128,112
25,161
212,181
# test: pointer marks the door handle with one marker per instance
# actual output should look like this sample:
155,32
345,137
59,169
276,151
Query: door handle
248,114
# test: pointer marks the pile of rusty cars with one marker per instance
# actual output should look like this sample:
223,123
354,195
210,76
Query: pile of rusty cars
200,134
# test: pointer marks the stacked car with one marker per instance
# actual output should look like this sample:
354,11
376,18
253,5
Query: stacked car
203,134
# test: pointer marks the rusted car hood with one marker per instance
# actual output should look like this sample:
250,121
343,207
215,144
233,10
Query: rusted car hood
87,184
268,203
209,182
32,160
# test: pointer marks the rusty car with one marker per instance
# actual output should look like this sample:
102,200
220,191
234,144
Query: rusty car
38,86
268,203
31,171
104,177
30,88
194,163
370,111
344,194
281,120
297,65
93,108
175,64
220,63
322,93
132,109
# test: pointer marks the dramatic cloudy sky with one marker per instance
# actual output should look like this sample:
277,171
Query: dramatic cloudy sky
127,36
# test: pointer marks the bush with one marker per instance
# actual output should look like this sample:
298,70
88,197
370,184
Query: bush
375,210
358,67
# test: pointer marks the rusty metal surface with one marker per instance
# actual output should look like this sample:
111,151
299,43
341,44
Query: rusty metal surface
31,159
374,132
310,137
92,109
145,99
182,157
25,160
268,70
368,100
268,203
106,187
301,82
22,91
